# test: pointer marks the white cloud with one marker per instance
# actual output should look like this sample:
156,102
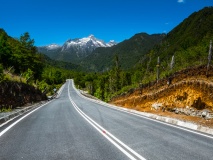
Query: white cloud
180,1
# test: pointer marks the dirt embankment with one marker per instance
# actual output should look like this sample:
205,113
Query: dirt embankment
14,94
187,95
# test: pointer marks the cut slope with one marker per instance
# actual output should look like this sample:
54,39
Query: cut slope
190,92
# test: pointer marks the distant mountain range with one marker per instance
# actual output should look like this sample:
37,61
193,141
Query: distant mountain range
188,42
96,55
73,50
129,53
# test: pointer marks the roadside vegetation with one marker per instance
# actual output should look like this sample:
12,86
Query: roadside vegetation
21,66
186,46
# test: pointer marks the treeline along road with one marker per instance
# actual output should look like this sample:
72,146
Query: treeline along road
75,127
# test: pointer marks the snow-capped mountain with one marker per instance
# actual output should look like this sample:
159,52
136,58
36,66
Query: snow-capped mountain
74,48
53,46
111,43
88,42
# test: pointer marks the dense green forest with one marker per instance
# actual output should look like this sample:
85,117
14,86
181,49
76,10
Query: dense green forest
20,58
187,45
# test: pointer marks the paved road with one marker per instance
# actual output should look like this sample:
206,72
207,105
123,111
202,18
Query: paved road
72,127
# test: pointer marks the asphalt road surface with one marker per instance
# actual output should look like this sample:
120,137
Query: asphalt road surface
75,128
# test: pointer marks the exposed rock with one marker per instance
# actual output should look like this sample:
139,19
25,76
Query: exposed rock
189,93
207,114
177,111
157,106
204,113
14,94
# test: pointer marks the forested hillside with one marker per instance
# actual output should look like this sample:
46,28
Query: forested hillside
129,52
187,45
20,54
22,68
128,65
62,64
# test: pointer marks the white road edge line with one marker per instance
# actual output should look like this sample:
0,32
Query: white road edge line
122,110
13,124
60,90
101,129
8,121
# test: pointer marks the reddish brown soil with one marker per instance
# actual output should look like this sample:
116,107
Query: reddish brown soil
185,90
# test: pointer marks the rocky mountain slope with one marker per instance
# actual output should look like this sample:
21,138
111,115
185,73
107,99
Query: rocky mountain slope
73,50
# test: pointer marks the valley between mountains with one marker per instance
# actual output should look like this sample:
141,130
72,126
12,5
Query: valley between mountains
106,80
164,74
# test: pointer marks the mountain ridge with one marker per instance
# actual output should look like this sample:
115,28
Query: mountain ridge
188,42
186,46
74,50
130,51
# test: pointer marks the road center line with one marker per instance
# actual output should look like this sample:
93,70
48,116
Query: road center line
138,115
115,141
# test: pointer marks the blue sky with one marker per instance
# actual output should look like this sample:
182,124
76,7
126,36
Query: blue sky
55,21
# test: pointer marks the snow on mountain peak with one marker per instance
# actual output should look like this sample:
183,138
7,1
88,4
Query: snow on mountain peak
111,43
80,47
53,46
87,42
91,36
